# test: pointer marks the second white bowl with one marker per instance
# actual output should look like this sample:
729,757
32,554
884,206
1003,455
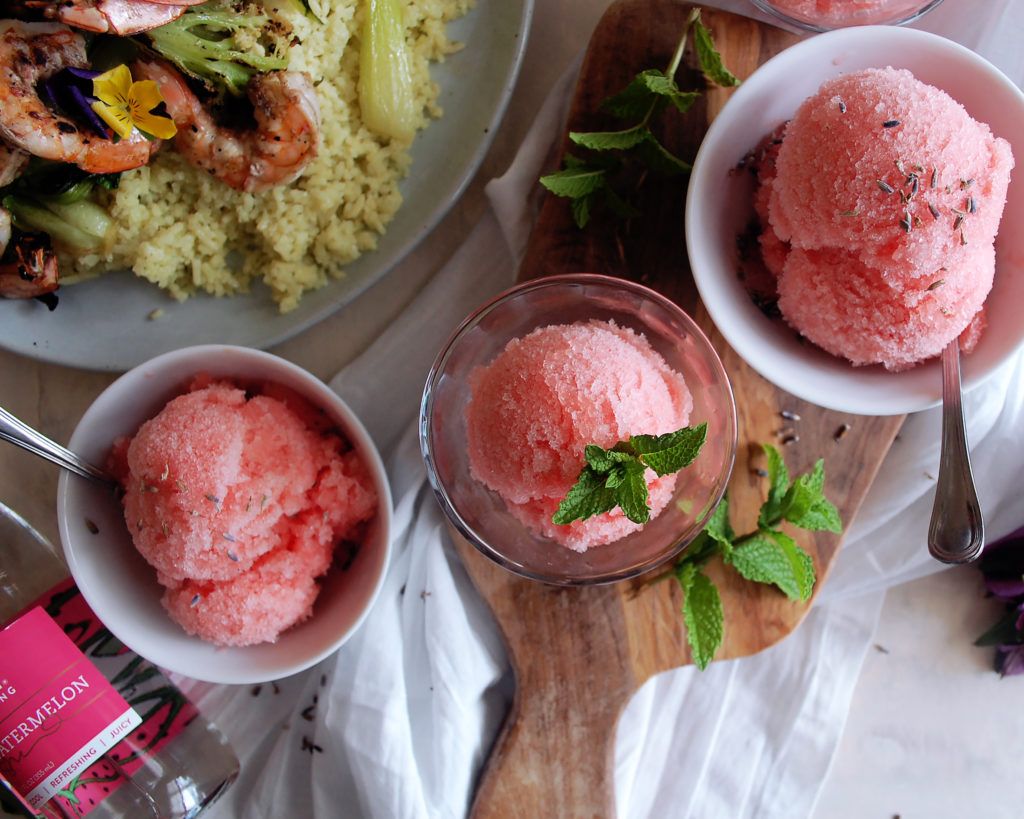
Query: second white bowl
720,206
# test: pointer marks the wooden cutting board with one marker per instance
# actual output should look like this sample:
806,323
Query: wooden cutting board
579,654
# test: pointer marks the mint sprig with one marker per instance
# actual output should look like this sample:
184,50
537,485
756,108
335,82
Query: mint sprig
588,181
615,477
764,555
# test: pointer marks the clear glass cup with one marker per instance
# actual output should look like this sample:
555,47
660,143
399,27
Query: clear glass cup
825,15
481,516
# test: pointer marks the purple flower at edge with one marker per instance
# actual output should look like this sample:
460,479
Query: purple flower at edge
1002,568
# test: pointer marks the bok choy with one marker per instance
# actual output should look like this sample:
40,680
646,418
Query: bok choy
386,97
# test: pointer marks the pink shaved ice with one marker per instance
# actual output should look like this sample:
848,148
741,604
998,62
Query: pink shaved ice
880,208
238,499
550,393
830,13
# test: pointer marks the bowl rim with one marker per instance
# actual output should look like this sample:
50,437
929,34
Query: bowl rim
906,17
219,663
437,368
878,392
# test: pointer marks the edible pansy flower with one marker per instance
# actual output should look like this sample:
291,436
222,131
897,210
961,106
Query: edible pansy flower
125,104
1002,567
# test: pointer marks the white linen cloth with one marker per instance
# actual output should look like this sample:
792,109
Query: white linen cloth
399,722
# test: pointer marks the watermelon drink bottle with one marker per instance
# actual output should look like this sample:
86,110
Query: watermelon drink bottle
87,727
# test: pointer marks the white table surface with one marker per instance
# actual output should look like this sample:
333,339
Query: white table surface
932,732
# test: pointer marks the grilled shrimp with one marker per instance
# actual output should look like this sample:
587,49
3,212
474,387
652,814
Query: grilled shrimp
28,269
29,53
12,163
285,140
122,17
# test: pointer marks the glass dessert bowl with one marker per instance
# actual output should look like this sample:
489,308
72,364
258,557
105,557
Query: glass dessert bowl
825,15
651,333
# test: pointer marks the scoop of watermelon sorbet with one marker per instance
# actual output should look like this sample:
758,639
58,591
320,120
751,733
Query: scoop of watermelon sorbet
546,396
885,196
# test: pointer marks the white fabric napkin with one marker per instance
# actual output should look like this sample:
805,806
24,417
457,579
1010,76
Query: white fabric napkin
399,722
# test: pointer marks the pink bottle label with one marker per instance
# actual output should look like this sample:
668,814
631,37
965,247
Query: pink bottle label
164,709
58,714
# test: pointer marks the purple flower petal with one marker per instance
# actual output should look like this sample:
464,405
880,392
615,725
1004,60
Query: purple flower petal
84,74
1020,618
70,92
84,105
1008,589
1009,660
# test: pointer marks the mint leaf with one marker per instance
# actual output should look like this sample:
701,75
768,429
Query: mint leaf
810,508
615,477
778,485
611,140
619,206
647,96
634,101
589,496
765,555
631,492
822,516
718,527
660,160
601,459
664,86
702,614
672,451
581,181
805,506
774,557
710,60
581,209
575,182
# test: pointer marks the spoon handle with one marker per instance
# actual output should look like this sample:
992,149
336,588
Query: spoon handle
956,533
17,432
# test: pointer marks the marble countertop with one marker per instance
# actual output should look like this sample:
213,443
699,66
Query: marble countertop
932,731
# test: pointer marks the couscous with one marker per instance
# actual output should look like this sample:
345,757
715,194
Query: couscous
187,232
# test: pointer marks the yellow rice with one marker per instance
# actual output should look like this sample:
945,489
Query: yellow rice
187,232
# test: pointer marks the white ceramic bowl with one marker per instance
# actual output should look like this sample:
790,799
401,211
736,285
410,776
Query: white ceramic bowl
719,208
122,588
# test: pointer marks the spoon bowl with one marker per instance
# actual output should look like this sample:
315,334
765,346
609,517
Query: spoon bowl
956,532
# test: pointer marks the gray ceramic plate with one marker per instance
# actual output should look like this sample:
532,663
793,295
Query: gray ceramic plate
104,324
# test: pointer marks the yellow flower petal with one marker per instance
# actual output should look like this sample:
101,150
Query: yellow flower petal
117,118
159,127
113,86
144,95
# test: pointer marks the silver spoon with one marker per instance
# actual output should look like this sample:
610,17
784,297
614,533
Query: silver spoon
956,533
21,434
